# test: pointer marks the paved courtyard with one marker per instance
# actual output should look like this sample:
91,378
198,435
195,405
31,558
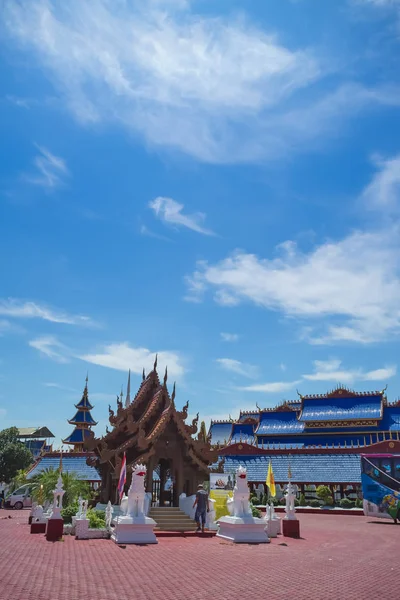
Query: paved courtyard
338,557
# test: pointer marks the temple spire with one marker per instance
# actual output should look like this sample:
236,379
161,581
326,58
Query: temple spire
165,376
83,422
155,363
128,391
144,374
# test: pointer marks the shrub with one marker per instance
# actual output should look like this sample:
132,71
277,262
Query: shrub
323,492
264,499
69,512
346,503
302,500
315,503
358,503
256,512
282,502
329,501
97,519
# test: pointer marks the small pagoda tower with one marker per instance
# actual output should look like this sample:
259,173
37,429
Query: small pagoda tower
83,422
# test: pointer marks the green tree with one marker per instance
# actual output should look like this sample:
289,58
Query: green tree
14,455
46,481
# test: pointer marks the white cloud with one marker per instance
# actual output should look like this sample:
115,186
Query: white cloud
331,370
218,88
355,280
383,193
12,307
229,337
230,364
170,211
123,357
147,232
50,169
20,102
51,347
272,387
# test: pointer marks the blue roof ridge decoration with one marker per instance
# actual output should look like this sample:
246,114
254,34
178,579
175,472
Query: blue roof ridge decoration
341,391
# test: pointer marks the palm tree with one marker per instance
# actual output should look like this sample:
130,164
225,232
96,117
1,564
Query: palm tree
45,482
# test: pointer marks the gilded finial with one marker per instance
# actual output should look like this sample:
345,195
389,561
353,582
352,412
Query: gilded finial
258,408
299,395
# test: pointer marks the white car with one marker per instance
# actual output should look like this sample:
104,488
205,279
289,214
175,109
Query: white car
20,498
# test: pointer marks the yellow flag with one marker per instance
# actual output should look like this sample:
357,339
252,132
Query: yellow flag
270,481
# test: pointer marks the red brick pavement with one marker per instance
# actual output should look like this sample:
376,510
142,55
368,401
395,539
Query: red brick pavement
337,558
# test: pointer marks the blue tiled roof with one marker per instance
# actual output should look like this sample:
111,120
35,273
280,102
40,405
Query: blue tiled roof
242,433
78,436
83,416
391,418
295,405
250,415
220,432
70,464
275,422
306,468
341,409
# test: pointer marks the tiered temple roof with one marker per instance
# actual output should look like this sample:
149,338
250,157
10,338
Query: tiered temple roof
83,422
147,428
71,463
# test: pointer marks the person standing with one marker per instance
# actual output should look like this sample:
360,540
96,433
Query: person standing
202,508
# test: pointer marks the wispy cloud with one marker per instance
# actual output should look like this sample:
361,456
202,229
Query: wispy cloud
50,169
220,89
171,212
310,285
332,370
148,233
11,307
58,386
229,337
123,357
383,193
271,387
17,101
51,347
236,366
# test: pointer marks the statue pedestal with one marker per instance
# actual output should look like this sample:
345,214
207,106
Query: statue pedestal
245,530
54,530
291,528
134,530
273,527
38,527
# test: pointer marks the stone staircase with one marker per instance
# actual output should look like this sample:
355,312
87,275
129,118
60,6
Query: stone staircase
171,519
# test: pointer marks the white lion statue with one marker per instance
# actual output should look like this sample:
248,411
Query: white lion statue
239,505
137,501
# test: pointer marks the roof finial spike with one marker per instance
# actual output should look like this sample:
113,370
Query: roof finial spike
165,376
155,363
173,392
87,377
128,391
144,374
258,408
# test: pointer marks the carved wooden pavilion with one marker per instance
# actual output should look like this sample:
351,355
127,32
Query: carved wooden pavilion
151,430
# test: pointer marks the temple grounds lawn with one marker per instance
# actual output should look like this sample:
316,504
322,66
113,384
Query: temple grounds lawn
337,557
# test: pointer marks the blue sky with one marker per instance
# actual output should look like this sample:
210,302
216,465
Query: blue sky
217,182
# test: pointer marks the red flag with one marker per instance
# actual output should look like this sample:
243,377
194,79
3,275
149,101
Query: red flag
122,477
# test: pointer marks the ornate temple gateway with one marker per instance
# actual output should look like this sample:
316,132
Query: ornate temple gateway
151,430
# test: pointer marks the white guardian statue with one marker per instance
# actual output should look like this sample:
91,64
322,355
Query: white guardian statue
240,526
135,527
239,505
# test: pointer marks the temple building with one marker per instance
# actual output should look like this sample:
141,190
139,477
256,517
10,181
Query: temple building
36,439
83,422
151,430
321,437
